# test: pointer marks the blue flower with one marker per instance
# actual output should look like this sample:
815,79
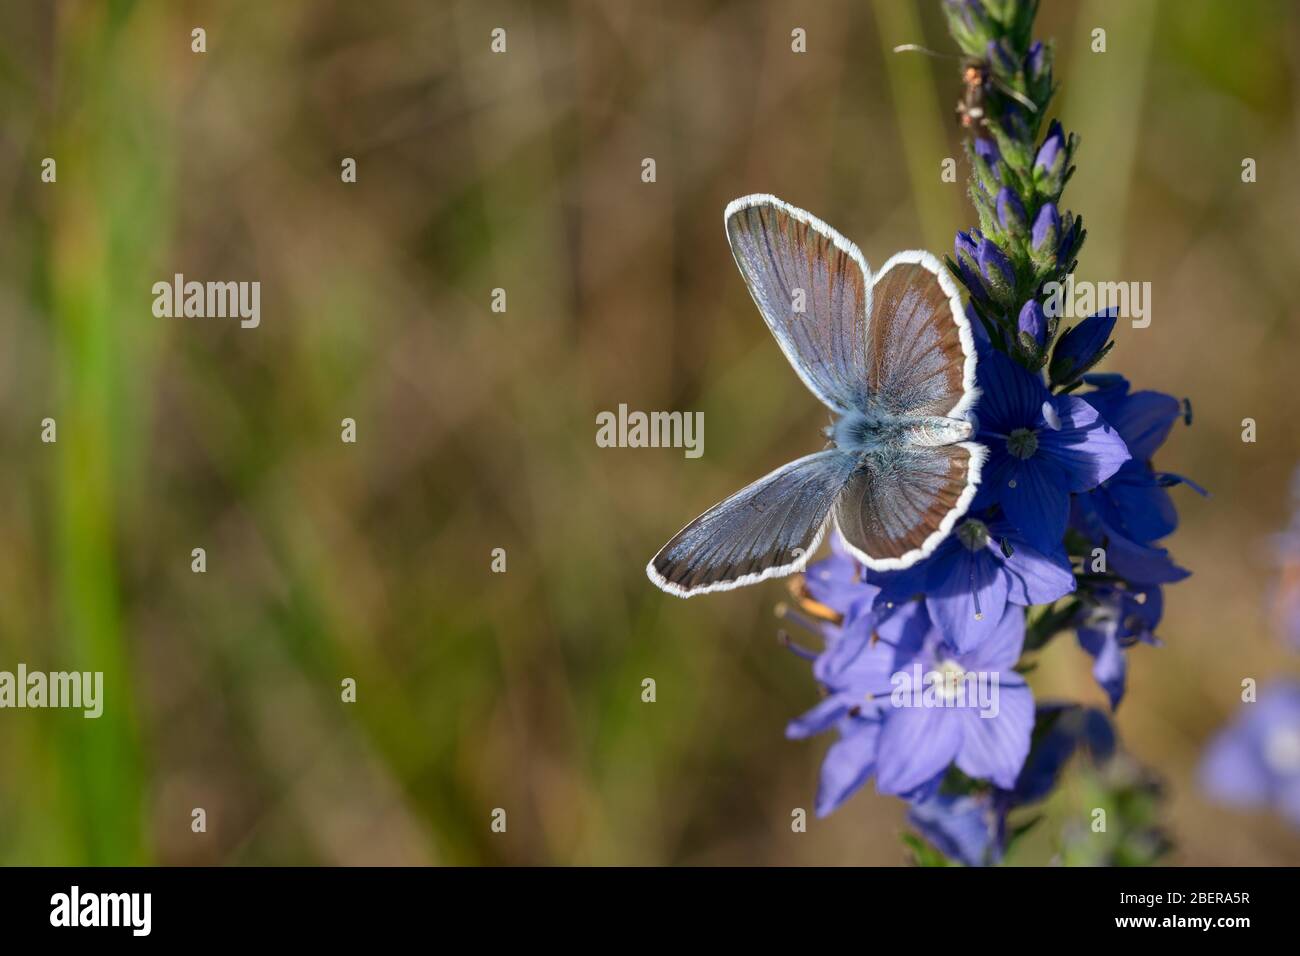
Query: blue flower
852,678
969,828
907,705
1041,448
1138,563
1135,500
1255,761
1111,620
981,568
987,737
1132,509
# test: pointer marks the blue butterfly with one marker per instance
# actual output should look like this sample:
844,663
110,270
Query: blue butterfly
893,356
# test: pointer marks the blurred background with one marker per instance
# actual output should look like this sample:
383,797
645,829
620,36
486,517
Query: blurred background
476,429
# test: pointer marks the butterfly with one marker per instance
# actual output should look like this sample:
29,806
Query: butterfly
892,354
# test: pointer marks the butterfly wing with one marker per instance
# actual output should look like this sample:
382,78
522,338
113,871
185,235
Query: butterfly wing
901,502
811,286
921,349
767,529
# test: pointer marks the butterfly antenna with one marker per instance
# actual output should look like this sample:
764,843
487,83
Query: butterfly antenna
1020,98
917,48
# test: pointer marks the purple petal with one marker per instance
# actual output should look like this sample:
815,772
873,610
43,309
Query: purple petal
1001,650
969,829
995,748
1287,801
1141,505
904,631
837,582
1036,501
1086,448
848,764
1109,666
817,719
1144,421
1036,576
1010,398
865,672
916,744
967,596
1231,772
1139,563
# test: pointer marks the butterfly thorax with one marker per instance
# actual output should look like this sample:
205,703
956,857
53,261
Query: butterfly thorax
867,431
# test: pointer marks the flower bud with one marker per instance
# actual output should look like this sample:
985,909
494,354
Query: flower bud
1033,322
1036,62
995,267
1011,212
987,150
1082,347
1051,155
1046,233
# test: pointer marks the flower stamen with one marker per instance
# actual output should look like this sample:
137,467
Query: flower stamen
1022,443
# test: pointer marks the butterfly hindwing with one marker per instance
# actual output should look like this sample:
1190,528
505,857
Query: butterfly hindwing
768,528
901,501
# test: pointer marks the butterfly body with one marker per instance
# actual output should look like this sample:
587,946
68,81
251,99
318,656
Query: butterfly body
867,432
892,356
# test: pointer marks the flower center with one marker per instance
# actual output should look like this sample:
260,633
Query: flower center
1282,750
1022,443
974,534
950,678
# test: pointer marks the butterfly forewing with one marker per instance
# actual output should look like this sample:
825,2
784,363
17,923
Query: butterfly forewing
810,284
